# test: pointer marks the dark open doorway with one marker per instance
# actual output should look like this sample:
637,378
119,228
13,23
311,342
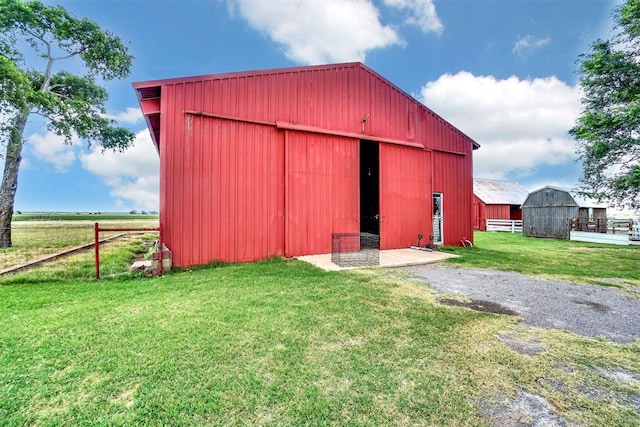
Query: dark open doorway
369,187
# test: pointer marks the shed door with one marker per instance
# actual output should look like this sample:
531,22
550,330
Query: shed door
405,196
322,191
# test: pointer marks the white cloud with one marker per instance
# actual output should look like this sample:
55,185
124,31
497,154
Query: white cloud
528,43
132,115
316,32
520,124
550,181
132,176
51,148
422,13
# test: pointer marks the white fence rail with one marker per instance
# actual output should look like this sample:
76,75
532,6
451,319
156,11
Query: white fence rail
634,232
509,225
615,232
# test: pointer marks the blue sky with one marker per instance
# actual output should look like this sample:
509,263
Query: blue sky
503,71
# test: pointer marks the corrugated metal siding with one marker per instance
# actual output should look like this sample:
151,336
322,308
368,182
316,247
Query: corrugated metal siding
334,97
452,176
499,192
479,215
405,196
223,192
322,191
438,134
483,211
165,134
498,212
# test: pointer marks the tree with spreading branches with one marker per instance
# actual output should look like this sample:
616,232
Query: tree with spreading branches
608,130
72,105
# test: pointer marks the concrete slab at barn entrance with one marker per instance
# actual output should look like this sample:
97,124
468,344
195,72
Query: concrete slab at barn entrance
388,258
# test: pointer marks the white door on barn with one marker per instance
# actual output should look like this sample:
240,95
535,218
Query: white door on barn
437,219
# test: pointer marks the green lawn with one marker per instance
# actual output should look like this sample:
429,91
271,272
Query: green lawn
36,239
277,343
552,257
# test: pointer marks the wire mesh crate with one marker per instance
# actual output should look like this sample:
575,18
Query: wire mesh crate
355,249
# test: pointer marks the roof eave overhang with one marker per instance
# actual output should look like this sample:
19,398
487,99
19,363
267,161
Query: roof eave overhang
149,98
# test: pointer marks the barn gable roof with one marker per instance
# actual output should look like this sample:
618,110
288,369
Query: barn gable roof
499,192
580,200
149,93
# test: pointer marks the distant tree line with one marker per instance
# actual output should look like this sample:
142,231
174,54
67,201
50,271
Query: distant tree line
135,212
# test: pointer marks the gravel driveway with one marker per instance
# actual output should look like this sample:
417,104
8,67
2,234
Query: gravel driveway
588,310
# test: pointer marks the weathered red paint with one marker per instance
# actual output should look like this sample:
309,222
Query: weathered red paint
405,180
452,177
265,163
485,211
322,191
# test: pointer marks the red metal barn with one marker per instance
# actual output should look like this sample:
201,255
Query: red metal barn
265,163
496,199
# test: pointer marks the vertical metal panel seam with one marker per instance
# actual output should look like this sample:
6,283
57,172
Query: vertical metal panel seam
286,192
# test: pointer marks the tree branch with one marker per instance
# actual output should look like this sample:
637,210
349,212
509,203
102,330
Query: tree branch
56,86
71,55
47,74
59,95
52,118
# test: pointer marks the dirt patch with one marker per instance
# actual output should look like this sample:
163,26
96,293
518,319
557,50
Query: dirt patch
126,397
583,249
594,305
522,344
620,376
479,305
523,410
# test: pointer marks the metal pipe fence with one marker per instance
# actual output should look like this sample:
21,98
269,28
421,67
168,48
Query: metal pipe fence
603,225
97,231
64,245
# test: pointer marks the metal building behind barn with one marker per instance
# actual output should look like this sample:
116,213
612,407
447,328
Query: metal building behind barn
496,199
547,212
266,163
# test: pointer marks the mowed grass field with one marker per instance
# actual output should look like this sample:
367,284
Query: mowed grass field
38,235
82,216
282,343
558,258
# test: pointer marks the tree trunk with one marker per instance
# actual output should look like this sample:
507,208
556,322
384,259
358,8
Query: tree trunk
10,177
